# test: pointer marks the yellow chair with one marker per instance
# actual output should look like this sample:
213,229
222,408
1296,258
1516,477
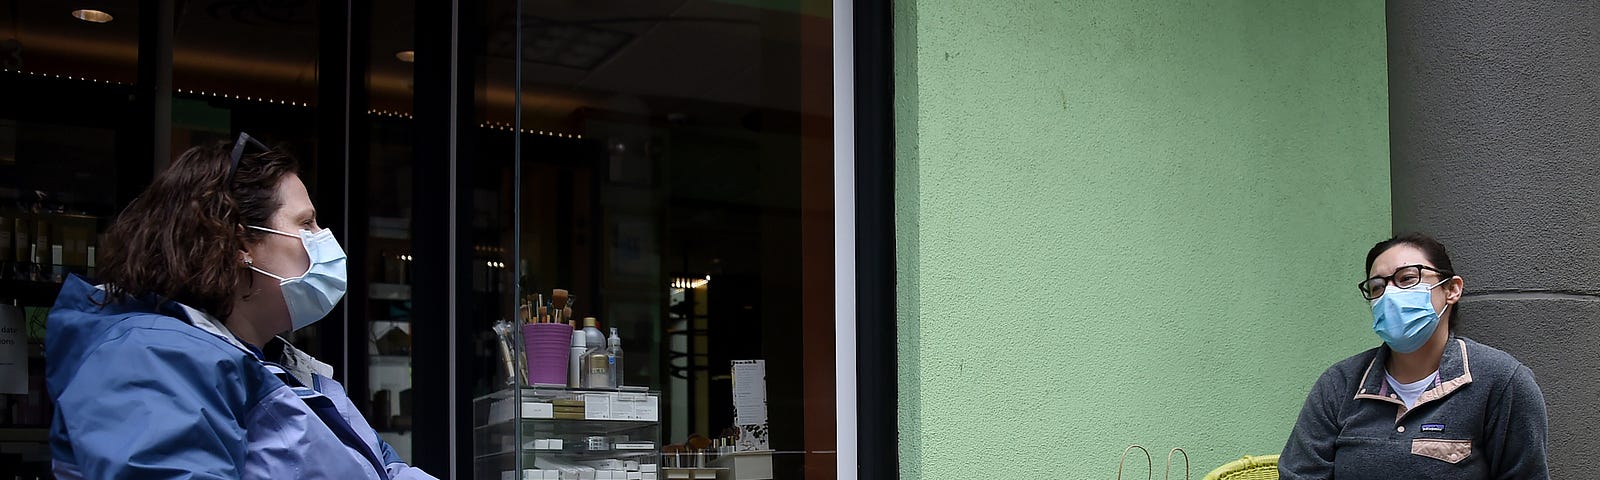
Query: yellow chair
1247,468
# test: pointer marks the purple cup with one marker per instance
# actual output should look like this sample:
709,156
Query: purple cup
548,347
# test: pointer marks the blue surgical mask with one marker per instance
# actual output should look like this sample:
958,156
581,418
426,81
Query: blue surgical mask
311,295
1404,317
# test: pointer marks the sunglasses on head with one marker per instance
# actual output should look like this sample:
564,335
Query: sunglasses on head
238,152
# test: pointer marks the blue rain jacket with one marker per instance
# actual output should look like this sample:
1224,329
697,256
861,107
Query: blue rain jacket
147,389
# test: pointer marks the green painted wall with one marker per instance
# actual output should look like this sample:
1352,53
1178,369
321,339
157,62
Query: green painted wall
1129,222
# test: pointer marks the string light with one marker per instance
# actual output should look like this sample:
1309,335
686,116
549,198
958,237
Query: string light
52,75
506,127
230,96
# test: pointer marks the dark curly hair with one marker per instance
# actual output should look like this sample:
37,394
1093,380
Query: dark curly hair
180,239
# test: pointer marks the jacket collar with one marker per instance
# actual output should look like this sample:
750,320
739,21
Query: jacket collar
1454,372
292,361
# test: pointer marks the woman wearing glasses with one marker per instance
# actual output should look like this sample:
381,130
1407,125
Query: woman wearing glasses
172,367
1426,403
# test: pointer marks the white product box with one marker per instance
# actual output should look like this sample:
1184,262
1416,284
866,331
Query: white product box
500,410
634,446
747,465
621,406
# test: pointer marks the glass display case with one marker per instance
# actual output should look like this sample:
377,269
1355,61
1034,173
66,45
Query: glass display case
559,433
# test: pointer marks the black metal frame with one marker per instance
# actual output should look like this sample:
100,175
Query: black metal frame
443,103
342,157
877,391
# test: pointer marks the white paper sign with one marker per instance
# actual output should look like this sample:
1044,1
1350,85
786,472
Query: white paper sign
750,404
13,352
750,392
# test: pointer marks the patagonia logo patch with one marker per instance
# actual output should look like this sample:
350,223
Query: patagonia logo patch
1433,427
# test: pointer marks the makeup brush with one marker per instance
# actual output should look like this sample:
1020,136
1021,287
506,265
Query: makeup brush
558,304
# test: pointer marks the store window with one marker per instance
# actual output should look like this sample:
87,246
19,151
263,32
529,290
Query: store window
70,133
675,176
668,164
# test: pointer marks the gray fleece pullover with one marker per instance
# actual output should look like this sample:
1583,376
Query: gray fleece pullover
1484,418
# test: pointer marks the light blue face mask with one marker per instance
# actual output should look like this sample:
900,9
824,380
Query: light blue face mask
313,294
1404,317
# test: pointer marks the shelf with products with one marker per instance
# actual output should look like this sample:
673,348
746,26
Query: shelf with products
34,237
568,429
568,425
40,244
44,238
389,381
572,446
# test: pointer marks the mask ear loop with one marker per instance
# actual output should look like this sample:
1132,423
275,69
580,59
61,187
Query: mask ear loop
270,274
268,230
1447,305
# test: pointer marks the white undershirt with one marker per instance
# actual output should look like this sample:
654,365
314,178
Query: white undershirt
1409,392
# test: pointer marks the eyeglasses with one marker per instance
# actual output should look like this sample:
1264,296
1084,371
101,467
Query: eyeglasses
1403,277
238,152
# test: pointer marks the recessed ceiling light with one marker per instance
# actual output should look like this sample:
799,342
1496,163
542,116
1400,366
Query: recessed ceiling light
91,16
407,56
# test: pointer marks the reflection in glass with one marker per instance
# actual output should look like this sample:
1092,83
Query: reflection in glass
677,176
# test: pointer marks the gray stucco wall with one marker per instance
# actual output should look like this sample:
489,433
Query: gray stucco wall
1494,138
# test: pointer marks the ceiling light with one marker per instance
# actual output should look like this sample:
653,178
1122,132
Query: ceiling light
408,56
91,16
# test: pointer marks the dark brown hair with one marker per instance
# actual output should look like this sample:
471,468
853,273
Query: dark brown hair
1431,249
180,239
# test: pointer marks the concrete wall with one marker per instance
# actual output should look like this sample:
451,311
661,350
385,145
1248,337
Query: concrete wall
1129,222
1495,110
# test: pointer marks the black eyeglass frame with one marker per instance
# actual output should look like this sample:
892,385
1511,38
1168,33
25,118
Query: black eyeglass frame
238,152
1389,280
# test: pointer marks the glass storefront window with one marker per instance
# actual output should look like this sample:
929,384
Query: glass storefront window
676,176
69,159
667,163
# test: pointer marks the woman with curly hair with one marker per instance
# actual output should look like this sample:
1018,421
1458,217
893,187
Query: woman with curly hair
163,369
